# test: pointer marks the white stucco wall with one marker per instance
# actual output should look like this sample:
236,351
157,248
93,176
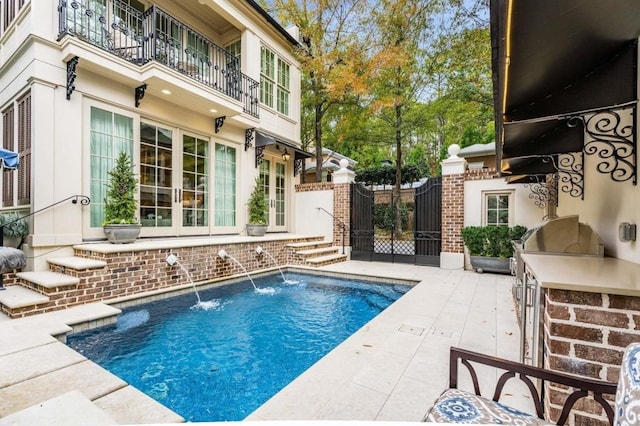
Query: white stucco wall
310,220
524,211
605,205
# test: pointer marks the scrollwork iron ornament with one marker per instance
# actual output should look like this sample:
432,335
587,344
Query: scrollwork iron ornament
83,199
612,136
544,192
259,155
71,76
248,137
570,168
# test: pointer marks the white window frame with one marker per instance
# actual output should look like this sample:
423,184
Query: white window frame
485,206
277,86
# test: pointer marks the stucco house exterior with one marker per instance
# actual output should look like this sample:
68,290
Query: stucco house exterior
489,199
204,96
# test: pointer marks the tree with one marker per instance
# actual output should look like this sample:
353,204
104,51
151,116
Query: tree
396,78
330,59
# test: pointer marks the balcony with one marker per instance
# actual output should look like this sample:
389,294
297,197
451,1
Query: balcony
154,35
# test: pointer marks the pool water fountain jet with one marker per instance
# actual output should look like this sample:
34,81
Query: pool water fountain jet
222,254
172,260
260,250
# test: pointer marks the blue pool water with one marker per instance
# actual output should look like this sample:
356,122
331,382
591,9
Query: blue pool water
223,362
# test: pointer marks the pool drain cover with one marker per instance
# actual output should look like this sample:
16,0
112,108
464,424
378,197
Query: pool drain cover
410,329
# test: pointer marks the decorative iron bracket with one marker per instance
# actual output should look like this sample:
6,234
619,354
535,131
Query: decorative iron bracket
297,165
570,168
71,75
544,192
259,155
248,138
219,122
139,94
612,136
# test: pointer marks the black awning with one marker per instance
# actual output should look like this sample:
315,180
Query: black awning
542,138
529,165
555,58
264,140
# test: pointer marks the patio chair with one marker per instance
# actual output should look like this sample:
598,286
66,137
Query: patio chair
458,406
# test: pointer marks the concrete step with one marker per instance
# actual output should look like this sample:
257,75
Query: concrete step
77,263
326,260
318,251
16,296
309,244
48,279
69,409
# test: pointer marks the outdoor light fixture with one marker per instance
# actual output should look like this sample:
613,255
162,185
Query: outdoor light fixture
286,155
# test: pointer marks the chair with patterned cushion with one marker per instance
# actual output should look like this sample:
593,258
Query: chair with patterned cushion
627,408
458,406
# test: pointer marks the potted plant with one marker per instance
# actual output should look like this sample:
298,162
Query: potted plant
257,225
14,229
490,247
120,222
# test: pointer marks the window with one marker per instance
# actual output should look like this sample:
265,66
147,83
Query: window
275,81
110,134
8,142
9,10
16,136
497,211
267,76
283,87
225,185
235,49
24,149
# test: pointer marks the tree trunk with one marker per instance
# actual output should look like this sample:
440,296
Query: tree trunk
318,137
398,186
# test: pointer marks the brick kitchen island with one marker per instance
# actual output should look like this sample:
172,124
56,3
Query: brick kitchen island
588,312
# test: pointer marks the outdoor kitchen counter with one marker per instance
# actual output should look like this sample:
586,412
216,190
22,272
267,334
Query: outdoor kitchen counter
584,273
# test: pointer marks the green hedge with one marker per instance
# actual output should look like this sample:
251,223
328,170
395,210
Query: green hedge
491,241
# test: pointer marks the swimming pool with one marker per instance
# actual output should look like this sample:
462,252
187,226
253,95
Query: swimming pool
222,363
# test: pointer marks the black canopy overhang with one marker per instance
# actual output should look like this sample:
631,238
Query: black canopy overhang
264,140
566,56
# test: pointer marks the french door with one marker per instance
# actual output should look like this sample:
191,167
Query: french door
174,182
273,178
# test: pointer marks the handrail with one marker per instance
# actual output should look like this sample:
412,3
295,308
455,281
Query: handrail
84,200
344,227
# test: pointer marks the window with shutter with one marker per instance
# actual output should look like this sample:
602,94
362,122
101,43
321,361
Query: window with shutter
24,149
7,143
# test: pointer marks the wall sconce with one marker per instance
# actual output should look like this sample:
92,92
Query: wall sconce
286,155
627,232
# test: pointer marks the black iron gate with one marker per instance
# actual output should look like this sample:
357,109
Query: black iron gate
374,233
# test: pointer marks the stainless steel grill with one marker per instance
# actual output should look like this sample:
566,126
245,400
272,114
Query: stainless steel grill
561,236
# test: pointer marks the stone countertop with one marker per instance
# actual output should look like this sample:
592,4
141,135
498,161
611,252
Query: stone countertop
585,273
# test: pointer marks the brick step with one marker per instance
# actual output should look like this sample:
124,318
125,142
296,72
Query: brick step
317,251
77,263
16,296
326,260
47,280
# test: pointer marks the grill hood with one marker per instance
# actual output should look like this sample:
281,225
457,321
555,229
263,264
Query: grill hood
563,235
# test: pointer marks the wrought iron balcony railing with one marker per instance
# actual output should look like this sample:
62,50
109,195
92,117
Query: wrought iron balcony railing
154,35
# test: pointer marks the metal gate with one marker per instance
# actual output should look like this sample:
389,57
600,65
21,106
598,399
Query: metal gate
374,235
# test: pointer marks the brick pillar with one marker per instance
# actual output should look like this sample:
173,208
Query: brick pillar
342,180
453,169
